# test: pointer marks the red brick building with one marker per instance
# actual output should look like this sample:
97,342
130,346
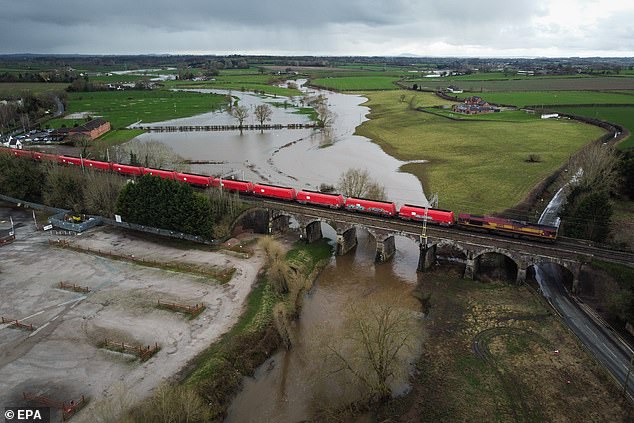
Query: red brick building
93,129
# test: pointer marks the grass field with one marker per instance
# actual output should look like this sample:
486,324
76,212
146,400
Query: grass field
122,108
503,116
477,167
357,83
8,89
519,380
621,115
529,84
557,97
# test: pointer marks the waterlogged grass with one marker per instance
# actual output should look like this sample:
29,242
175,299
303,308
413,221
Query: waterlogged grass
621,115
357,83
477,167
123,108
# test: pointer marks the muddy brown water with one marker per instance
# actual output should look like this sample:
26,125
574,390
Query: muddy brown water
299,158
293,385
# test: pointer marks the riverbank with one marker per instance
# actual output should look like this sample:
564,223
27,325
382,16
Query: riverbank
216,374
495,352
474,166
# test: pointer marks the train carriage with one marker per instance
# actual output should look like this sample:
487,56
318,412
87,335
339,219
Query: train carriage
234,185
273,191
418,213
379,208
334,201
127,169
164,174
197,180
95,164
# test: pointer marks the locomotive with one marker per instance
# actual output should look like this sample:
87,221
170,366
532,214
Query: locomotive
385,209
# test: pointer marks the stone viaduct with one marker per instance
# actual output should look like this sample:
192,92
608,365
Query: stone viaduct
474,246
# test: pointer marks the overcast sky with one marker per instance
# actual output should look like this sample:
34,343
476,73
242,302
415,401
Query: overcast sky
320,27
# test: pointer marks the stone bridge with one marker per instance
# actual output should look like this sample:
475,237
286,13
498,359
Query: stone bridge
475,247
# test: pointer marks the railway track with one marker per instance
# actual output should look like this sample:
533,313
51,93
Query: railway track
565,248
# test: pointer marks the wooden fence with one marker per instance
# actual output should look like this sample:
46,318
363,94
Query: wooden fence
16,324
73,287
144,353
193,311
68,408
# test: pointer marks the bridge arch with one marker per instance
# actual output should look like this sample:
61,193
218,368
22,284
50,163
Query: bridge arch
565,274
495,263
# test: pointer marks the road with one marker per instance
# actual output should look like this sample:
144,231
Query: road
608,348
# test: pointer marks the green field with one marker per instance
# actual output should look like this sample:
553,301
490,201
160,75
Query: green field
503,116
621,115
357,83
577,83
123,108
9,89
537,98
477,167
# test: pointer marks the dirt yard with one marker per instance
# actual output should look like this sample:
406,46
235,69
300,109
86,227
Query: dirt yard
61,357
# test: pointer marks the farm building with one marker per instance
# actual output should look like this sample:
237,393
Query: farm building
473,106
92,129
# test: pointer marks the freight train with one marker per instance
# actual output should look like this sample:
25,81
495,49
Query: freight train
334,201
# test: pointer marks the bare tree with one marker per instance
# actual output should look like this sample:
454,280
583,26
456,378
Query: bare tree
240,113
374,347
263,113
83,142
154,154
599,164
359,183
101,192
25,121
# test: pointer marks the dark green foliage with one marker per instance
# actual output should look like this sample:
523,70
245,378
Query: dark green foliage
587,214
626,169
621,303
166,204
21,178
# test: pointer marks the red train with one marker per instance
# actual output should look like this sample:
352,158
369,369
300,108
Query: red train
333,201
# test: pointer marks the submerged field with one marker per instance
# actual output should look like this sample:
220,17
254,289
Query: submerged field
480,166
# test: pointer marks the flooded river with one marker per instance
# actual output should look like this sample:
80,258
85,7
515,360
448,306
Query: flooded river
294,385
300,158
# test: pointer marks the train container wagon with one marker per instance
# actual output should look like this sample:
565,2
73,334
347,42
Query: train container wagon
165,174
95,164
20,153
67,160
272,191
46,157
380,208
197,180
334,201
437,216
127,169
234,185
508,226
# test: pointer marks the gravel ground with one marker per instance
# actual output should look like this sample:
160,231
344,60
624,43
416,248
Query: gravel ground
61,358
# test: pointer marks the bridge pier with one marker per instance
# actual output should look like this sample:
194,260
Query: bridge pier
521,275
427,256
278,223
385,249
346,240
472,266
311,232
